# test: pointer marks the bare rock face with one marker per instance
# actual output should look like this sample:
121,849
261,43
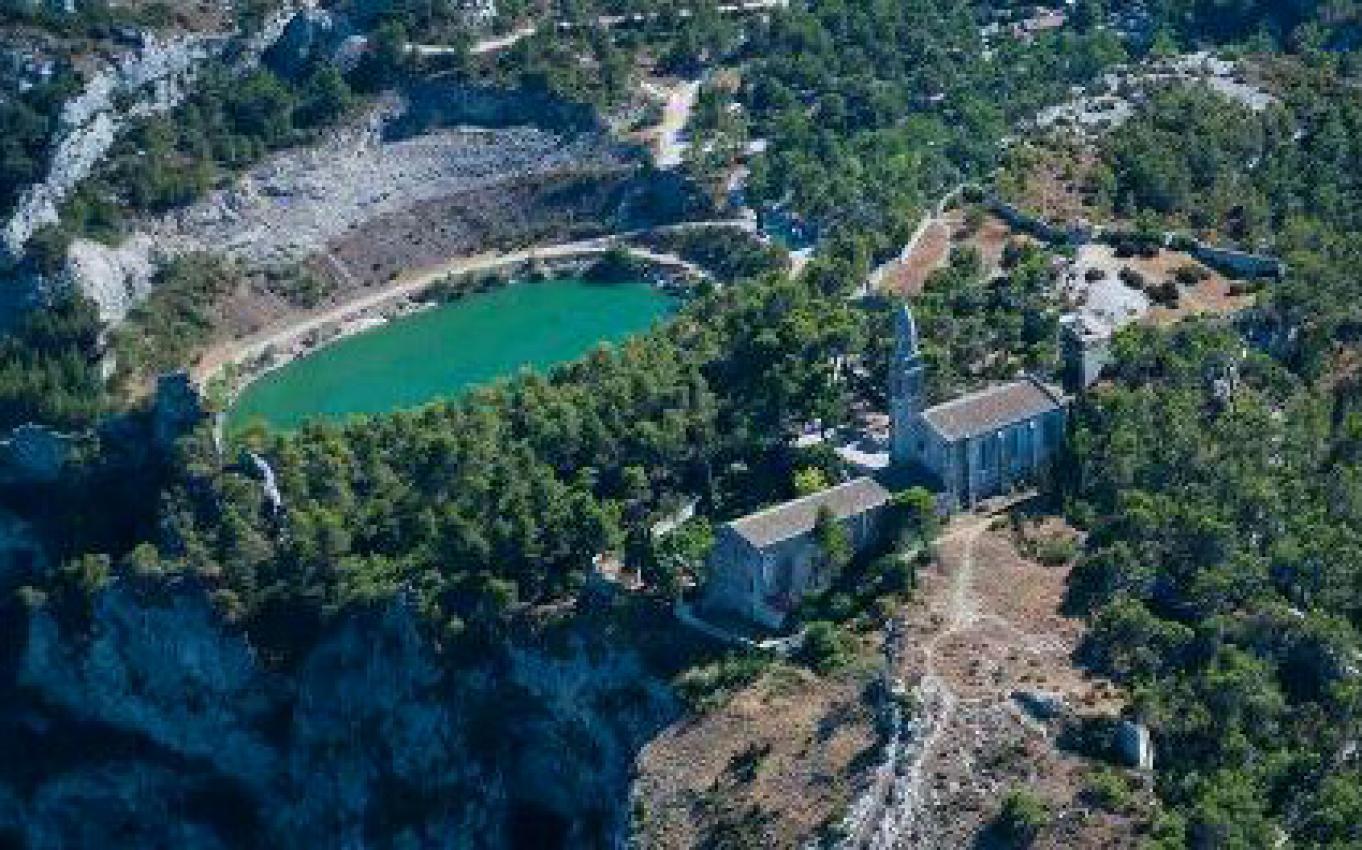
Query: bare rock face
35,454
21,555
154,79
56,7
570,688
126,803
150,80
168,673
311,34
480,13
114,278
296,204
155,724
1136,745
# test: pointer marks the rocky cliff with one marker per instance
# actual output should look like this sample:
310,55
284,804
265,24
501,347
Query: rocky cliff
153,723
148,80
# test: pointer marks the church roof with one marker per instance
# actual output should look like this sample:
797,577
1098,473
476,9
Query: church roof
793,519
992,409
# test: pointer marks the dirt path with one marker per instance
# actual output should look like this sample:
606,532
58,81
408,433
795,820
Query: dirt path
936,700
934,224
496,44
671,145
986,627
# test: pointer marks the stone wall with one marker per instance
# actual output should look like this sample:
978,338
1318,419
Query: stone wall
1020,219
1239,263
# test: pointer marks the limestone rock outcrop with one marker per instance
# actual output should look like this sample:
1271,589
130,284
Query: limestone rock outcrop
168,673
1135,745
296,204
158,715
150,79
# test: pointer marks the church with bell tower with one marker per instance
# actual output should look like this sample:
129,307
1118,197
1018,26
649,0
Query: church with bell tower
977,446
974,447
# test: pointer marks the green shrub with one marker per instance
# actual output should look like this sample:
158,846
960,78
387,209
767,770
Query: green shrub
1056,552
1108,789
825,647
704,687
1022,818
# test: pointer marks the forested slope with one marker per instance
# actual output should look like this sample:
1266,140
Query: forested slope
1221,482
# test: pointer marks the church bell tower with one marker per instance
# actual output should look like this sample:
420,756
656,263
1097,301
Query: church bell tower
906,376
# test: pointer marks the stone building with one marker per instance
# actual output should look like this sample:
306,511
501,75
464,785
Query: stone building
1085,349
764,564
977,446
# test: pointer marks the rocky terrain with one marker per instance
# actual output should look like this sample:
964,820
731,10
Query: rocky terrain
163,727
344,199
281,213
987,656
150,79
730,774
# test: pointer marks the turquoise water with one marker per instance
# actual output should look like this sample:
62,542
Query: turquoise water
445,350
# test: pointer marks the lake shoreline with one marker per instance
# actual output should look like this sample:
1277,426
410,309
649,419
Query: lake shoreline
567,316
227,366
227,378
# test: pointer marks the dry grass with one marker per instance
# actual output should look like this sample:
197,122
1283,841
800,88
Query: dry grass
908,276
1211,297
1053,181
781,759
1014,638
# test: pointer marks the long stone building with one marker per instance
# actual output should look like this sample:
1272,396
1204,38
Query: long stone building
762,565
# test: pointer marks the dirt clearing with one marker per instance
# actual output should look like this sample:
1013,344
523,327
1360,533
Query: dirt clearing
988,641
775,764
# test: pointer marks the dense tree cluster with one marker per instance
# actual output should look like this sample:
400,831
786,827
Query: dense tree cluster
1223,583
50,367
1184,159
228,124
483,506
729,253
976,327
1299,23
867,107
29,120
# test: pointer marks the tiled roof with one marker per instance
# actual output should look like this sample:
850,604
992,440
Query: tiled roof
792,519
991,409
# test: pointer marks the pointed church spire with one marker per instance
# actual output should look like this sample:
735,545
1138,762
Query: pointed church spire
905,331
907,379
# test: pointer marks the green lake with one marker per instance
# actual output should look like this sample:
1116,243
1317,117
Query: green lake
445,350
